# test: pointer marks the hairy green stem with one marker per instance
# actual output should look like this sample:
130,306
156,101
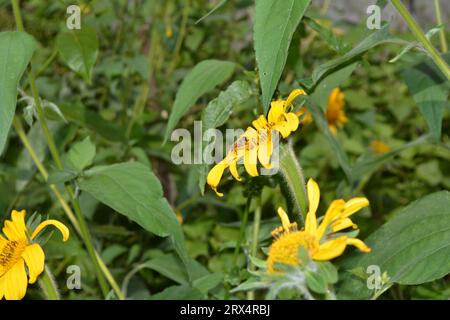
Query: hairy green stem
437,7
255,240
242,231
293,176
420,36
48,285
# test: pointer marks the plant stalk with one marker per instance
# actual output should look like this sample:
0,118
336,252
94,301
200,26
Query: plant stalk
293,176
48,285
437,7
420,36
255,241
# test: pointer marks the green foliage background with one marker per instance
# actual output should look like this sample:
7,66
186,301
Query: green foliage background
113,92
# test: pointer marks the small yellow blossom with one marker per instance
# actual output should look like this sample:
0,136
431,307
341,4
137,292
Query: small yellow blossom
379,147
168,31
320,240
304,115
335,110
22,260
256,142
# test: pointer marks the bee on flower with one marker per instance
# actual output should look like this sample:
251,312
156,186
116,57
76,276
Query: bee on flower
22,259
320,240
256,143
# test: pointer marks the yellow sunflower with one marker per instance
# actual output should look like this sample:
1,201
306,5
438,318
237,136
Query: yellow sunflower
335,110
320,240
256,142
21,260
379,147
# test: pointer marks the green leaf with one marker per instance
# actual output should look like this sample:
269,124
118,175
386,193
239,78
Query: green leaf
275,23
326,85
61,176
219,109
16,50
170,266
79,49
367,164
208,282
183,292
430,91
316,282
80,115
322,123
328,35
328,271
134,191
217,113
413,247
81,154
374,39
204,77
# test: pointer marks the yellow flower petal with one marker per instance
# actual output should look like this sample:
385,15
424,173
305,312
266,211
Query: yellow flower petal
359,244
276,111
313,198
234,171
265,148
60,226
354,205
292,121
283,128
15,282
214,176
294,94
251,152
331,249
284,219
14,231
334,210
260,123
342,224
250,159
332,128
18,218
34,258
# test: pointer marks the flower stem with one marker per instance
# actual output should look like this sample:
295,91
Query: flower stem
48,285
293,176
181,36
255,240
242,231
437,7
70,214
420,36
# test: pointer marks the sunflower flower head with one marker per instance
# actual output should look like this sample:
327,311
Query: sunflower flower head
320,240
335,110
256,143
21,259
379,147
